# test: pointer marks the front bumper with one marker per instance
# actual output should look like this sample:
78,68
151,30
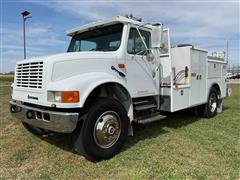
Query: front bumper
64,122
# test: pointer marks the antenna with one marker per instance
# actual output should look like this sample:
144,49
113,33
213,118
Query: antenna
130,16
227,52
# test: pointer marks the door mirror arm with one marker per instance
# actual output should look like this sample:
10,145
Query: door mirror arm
142,51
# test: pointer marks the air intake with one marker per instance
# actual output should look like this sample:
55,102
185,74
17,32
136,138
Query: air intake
29,75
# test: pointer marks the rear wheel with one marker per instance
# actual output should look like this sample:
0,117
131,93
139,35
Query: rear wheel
104,130
210,109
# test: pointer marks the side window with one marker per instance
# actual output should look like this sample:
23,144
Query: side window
135,44
77,46
114,44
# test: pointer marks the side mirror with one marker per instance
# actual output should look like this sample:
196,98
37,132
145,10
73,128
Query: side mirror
150,57
156,37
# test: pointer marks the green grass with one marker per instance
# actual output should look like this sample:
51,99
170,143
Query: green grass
8,79
182,146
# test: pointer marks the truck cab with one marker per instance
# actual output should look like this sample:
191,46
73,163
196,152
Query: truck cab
115,72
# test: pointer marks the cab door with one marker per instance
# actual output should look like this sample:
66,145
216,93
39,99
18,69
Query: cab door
140,72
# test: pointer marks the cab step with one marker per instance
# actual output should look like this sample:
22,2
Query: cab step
145,107
140,102
148,119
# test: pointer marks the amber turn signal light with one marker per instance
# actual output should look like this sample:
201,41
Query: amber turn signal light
70,96
121,66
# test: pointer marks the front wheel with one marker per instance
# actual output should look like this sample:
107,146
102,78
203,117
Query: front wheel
104,130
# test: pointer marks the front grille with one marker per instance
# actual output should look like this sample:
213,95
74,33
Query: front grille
29,75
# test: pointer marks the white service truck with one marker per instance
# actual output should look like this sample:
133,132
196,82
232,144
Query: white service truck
115,72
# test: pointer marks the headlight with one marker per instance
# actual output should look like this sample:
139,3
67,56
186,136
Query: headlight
63,96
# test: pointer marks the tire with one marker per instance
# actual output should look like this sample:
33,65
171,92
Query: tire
104,130
35,130
209,110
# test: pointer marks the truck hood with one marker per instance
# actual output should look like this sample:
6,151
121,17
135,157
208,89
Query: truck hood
65,65
71,56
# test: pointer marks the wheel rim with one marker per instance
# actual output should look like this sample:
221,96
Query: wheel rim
213,102
107,129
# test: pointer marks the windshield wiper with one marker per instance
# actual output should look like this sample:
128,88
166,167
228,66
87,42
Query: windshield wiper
97,49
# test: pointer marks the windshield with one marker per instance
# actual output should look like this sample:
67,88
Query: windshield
106,38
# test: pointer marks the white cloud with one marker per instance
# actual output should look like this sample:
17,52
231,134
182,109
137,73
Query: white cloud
203,23
187,19
87,10
41,40
19,47
38,34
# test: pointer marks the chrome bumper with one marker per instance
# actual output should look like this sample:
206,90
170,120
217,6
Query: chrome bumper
64,122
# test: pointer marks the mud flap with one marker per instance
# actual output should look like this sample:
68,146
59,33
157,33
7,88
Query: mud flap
130,130
77,138
219,106
78,147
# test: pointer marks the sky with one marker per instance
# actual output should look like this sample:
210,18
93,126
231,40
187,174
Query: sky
207,24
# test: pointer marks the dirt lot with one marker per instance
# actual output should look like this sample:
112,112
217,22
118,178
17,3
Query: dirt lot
182,146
